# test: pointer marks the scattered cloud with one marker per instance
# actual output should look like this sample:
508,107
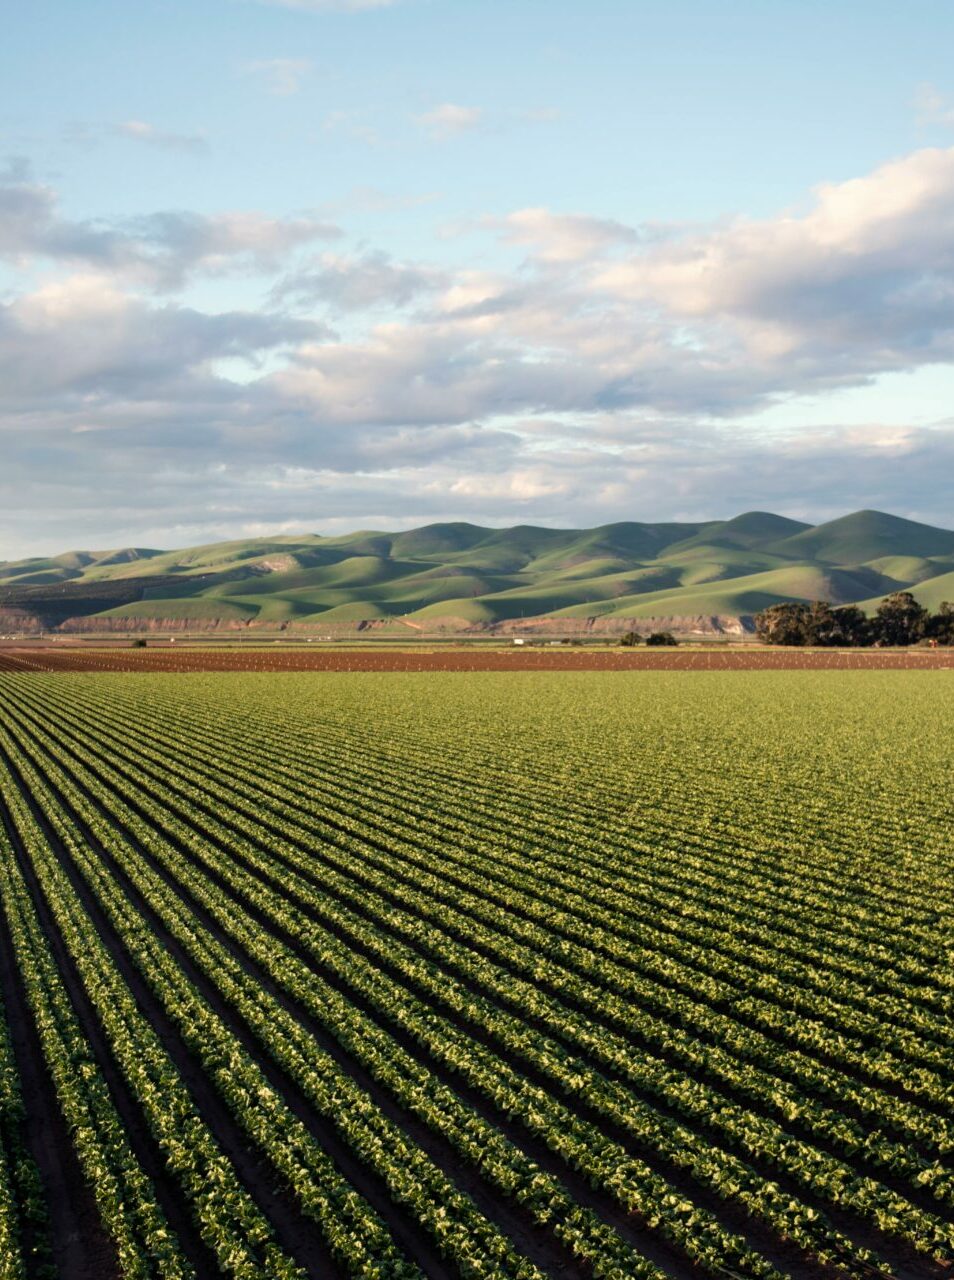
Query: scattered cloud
160,250
83,344
861,283
141,131
357,283
933,107
351,124
449,119
85,134
562,237
282,77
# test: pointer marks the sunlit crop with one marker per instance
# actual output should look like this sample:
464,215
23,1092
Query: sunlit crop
521,974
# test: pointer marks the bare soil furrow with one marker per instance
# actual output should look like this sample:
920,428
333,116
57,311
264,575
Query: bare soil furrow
296,1234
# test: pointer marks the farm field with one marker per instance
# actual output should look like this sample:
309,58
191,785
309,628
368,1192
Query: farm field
518,973
420,657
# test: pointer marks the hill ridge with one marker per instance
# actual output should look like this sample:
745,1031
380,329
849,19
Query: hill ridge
456,575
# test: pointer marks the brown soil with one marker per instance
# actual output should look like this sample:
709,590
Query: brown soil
172,658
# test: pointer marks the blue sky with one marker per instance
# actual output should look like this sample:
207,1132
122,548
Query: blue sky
269,267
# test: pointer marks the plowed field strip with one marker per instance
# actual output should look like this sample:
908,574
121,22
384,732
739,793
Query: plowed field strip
182,659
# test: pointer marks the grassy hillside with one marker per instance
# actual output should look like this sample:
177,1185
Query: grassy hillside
864,536
479,576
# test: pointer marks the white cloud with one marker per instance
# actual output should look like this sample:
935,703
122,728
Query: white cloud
933,107
282,77
562,237
160,250
449,119
357,283
611,373
862,282
83,345
141,131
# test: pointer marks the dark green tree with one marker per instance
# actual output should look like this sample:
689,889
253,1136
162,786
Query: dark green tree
853,625
661,637
828,627
783,624
899,620
940,625
821,625
630,639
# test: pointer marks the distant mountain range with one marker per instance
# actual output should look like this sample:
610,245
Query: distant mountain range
712,575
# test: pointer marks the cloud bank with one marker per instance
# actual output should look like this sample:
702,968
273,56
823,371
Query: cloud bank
610,372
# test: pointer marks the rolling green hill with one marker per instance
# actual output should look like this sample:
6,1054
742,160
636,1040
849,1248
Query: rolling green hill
458,576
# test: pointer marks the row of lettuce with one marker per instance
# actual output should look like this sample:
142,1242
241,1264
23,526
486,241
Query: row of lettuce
427,990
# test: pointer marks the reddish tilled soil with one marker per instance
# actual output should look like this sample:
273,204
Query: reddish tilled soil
182,659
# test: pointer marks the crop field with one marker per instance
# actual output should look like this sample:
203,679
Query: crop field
420,657
627,974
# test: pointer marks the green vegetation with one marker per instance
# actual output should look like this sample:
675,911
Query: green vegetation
486,975
898,620
463,575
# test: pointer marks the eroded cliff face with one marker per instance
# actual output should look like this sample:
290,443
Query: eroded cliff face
19,622
545,625
94,625
697,624
542,626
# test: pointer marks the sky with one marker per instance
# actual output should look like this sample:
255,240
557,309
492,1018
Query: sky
286,266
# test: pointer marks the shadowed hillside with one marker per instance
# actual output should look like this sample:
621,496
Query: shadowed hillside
456,576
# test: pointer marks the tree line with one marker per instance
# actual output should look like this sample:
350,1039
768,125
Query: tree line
632,638
898,620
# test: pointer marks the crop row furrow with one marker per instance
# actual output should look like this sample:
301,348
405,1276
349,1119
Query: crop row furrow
707,875
473,764
461,1232
229,1220
472,910
716,955
124,1196
617,1181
